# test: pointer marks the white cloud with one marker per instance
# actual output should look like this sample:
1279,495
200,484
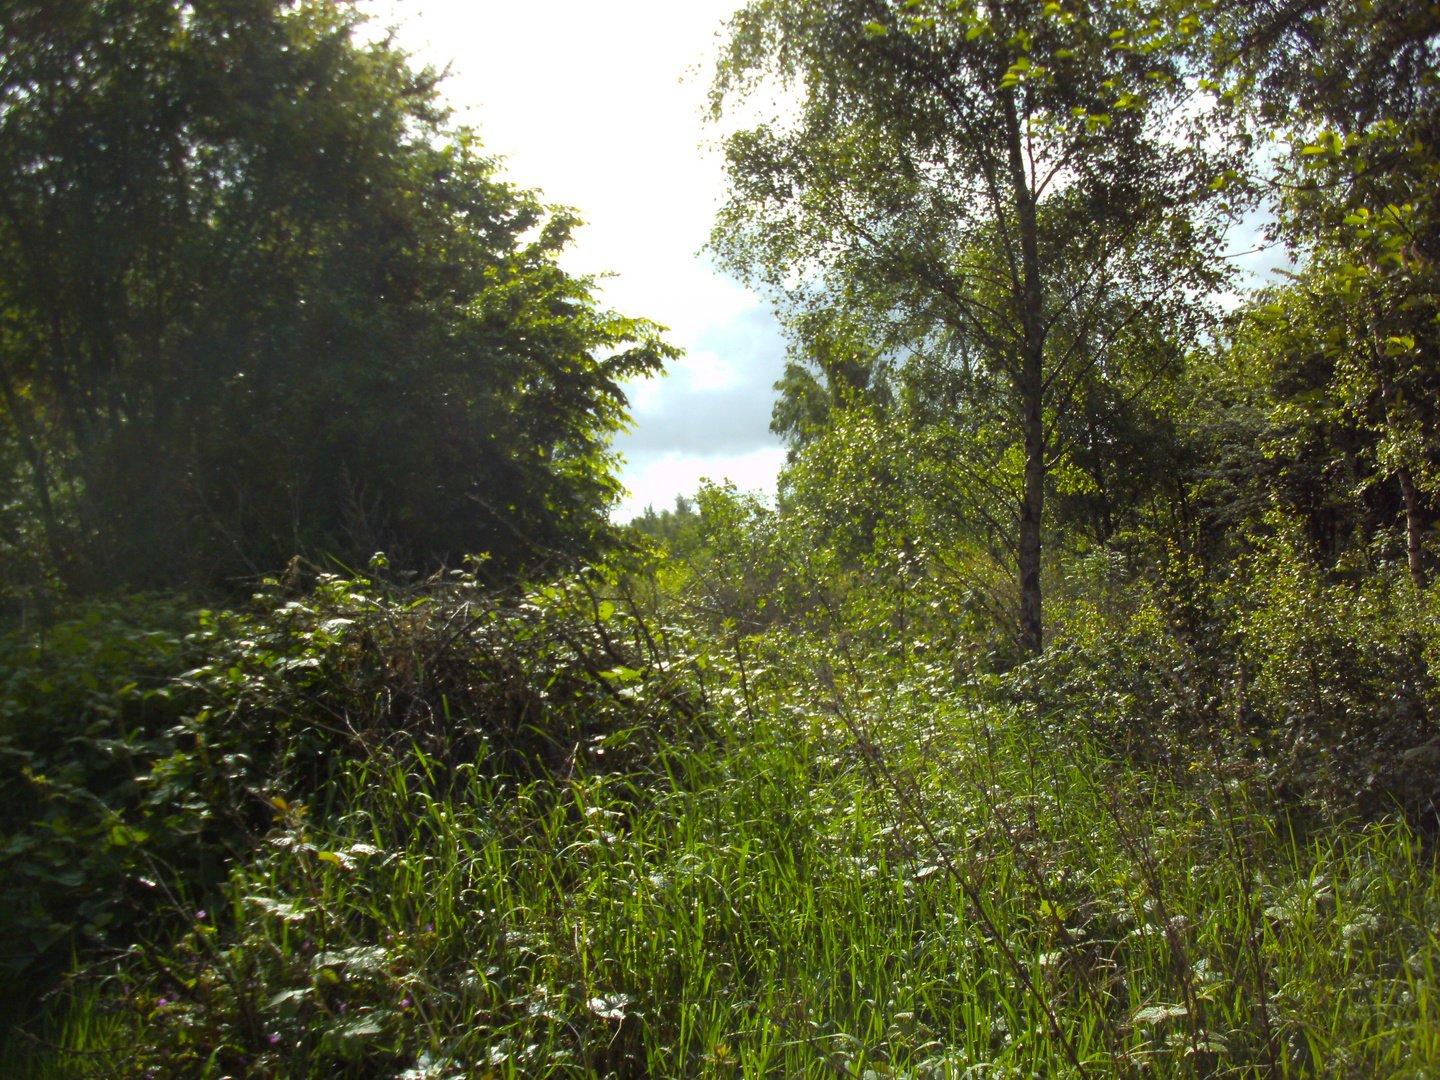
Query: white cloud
706,371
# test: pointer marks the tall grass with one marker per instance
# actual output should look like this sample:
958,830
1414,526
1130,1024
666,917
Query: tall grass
863,890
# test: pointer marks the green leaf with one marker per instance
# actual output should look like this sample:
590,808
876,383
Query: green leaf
623,674
123,836
280,910
1157,1014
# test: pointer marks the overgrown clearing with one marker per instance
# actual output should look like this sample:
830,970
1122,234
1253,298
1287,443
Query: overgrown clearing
623,858
1072,710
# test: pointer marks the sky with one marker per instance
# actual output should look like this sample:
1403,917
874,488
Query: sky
600,106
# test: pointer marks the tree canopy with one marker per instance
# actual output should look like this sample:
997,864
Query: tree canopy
258,298
1015,186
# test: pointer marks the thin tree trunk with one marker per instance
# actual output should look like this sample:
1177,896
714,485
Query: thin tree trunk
1032,509
1414,533
39,474
1031,388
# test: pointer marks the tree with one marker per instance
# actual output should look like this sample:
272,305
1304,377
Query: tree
1351,390
676,531
849,373
1357,84
258,299
1013,181
1356,63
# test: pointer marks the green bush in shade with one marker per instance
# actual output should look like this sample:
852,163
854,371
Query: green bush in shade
144,745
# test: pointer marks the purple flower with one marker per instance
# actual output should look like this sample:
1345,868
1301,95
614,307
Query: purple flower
160,1003
273,1038
405,1003
200,914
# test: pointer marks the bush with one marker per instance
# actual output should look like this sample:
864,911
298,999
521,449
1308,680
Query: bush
144,747
1328,686
1337,681
86,707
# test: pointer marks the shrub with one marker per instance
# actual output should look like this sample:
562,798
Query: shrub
144,747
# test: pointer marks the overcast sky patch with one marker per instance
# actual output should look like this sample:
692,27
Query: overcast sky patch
715,403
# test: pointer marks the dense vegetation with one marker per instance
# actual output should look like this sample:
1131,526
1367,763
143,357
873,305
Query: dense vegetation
246,264
1070,711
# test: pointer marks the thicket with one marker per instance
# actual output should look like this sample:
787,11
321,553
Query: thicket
261,298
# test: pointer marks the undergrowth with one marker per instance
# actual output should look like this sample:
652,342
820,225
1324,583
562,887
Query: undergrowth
996,901
558,833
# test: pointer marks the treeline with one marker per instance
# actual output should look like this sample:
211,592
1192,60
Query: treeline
1031,395
261,299
998,236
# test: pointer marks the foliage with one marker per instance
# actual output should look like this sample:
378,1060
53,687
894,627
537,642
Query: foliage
850,374
1351,88
260,299
140,752
776,789
1341,682
676,530
85,711
1002,188
1324,688
776,906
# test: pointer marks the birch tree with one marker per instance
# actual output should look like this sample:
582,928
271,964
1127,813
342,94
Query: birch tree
1032,180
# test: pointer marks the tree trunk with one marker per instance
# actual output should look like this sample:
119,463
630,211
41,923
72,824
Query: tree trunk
1032,509
1414,534
1030,386
25,433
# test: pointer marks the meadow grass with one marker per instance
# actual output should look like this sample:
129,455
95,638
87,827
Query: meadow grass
864,890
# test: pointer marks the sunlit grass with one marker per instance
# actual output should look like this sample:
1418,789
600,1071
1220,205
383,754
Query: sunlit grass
1002,903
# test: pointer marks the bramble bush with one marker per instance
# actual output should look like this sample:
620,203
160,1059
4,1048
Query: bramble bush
144,745
1326,686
